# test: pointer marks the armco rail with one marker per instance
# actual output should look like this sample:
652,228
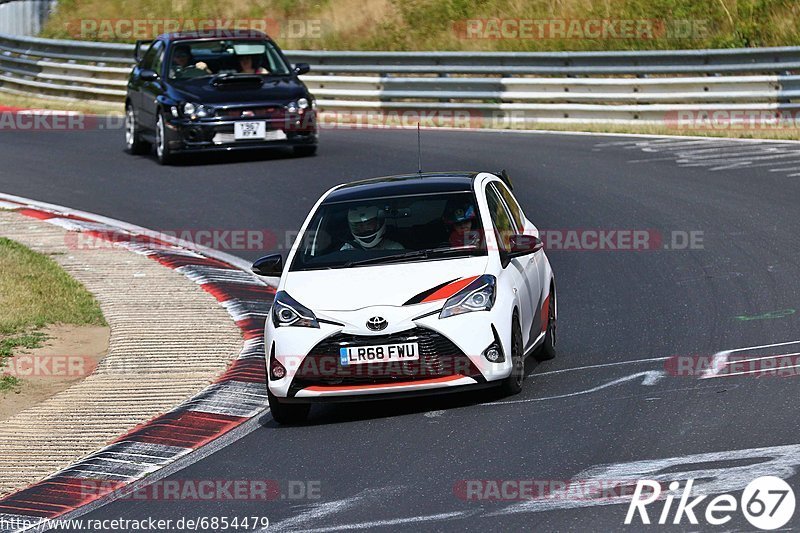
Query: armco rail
609,87
24,17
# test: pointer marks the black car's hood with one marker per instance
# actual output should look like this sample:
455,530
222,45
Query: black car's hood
208,90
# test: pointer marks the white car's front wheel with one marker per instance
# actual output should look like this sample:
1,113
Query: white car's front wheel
548,348
513,383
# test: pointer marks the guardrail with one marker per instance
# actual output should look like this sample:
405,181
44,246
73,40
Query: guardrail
24,17
607,87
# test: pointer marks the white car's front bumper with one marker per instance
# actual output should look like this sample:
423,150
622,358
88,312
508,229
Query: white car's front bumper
463,338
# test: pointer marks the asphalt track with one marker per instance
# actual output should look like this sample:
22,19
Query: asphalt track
399,464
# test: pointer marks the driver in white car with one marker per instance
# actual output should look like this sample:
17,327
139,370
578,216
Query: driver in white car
368,227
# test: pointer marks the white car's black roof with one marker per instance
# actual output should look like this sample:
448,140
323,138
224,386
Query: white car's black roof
419,183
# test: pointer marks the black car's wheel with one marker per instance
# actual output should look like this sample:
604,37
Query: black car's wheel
163,151
304,151
513,383
133,140
548,348
287,413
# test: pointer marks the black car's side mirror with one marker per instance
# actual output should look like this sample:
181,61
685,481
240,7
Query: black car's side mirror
148,75
524,245
302,68
269,265
139,49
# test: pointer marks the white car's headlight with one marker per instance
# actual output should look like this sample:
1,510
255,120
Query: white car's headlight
287,312
477,296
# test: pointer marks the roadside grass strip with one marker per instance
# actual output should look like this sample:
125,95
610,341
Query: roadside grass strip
36,292
234,398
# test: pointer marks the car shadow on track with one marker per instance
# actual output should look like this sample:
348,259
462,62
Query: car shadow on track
226,158
324,414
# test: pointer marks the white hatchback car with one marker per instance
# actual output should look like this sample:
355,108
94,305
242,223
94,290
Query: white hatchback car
407,285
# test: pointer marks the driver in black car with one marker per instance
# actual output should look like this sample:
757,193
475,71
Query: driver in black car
183,64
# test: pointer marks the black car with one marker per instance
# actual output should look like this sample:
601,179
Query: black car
192,92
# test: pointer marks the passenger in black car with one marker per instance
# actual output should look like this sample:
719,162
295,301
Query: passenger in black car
247,65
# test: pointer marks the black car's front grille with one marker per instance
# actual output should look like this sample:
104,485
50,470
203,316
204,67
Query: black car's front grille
438,357
262,112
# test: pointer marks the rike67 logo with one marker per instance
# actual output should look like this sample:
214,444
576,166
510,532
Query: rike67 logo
767,502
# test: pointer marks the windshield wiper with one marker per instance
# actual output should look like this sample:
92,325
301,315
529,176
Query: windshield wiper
416,254
388,258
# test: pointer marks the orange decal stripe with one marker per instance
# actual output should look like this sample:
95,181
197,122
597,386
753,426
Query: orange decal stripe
321,388
448,290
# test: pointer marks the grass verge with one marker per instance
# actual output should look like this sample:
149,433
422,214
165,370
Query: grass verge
30,102
441,24
36,292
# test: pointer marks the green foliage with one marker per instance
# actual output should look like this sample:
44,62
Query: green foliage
432,24
35,292
7,347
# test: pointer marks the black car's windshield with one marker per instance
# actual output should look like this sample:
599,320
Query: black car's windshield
195,59
391,230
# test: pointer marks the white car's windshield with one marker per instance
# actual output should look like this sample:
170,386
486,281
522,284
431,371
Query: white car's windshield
195,59
393,229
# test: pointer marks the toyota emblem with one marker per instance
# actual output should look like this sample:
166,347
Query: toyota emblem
248,114
377,323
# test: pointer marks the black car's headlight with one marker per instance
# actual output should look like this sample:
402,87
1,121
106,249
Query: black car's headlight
194,111
477,296
287,312
295,106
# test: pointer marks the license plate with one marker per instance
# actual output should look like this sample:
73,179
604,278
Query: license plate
243,131
385,353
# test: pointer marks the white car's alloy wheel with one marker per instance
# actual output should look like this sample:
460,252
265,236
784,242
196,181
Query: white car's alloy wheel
548,348
513,383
